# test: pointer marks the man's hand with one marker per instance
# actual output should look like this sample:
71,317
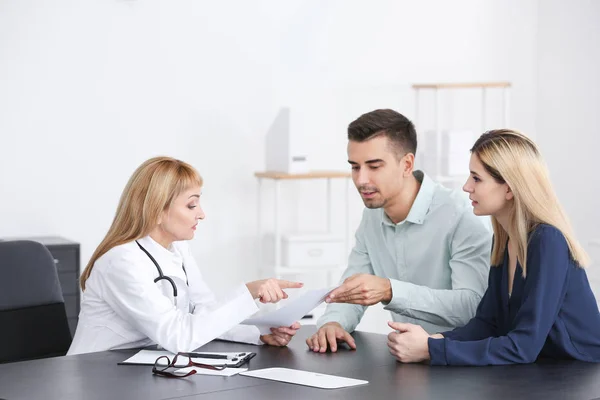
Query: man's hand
330,333
408,342
363,289
271,290
281,336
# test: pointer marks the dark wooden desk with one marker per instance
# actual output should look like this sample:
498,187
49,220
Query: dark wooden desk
97,376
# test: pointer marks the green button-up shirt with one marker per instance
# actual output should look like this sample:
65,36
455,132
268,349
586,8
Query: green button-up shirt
437,260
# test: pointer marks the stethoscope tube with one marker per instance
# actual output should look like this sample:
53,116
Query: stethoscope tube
161,276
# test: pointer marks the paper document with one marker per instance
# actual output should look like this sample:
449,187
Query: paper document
205,371
305,378
291,312
148,357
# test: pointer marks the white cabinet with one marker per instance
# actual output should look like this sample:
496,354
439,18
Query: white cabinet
304,253
312,251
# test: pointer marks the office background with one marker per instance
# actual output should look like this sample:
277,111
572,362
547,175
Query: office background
90,89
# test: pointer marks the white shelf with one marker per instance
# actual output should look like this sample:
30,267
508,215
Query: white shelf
307,175
461,85
440,126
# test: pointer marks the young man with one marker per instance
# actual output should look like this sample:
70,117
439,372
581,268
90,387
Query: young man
419,248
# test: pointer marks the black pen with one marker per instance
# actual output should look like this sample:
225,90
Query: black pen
204,355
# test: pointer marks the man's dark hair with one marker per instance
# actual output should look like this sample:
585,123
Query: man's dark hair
399,130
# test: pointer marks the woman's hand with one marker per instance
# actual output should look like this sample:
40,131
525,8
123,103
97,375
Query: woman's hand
281,336
271,290
408,342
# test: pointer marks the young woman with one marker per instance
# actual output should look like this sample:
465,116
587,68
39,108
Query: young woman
142,285
539,302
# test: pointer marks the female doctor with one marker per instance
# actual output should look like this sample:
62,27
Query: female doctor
142,285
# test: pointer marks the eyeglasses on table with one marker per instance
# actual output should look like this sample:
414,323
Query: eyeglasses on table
164,366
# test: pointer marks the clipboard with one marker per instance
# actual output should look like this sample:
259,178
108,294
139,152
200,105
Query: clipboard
232,360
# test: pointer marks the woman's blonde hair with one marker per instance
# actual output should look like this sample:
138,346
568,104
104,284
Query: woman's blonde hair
512,158
150,191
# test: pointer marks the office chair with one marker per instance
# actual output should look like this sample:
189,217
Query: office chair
33,321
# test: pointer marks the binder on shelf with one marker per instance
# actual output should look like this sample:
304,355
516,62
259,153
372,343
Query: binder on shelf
285,151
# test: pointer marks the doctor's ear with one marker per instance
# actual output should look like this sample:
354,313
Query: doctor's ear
509,193
162,217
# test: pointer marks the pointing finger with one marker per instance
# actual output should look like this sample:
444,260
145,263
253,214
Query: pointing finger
289,284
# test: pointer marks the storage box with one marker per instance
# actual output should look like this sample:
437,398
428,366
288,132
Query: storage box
286,150
312,250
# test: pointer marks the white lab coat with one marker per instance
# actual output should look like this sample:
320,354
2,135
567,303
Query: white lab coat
122,307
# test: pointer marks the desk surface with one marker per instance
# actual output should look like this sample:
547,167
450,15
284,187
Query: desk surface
97,376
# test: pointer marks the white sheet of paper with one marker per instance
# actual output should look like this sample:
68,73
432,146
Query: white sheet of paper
204,371
291,312
148,357
305,378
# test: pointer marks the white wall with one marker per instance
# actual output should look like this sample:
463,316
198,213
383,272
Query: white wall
90,89
568,118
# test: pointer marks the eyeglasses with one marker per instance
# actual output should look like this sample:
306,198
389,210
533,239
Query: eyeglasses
181,360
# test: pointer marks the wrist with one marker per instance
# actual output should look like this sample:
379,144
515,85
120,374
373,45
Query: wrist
427,355
388,294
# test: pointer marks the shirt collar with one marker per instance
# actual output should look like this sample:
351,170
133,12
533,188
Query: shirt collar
162,255
422,202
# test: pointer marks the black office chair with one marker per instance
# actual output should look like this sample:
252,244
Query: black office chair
33,321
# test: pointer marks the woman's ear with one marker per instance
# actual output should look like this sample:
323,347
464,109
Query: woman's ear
509,193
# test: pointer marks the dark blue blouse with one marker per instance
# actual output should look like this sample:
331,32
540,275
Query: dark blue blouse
551,313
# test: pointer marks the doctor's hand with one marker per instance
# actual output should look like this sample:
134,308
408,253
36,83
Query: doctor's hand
271,290
408,342
329,334
281,336
363,289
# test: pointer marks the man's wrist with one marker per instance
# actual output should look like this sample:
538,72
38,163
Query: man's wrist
388,291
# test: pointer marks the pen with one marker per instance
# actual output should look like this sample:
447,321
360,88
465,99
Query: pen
204,355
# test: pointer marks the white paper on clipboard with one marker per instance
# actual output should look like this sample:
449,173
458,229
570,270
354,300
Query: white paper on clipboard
149,357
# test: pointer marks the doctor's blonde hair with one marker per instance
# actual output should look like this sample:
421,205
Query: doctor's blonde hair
512,158
150,191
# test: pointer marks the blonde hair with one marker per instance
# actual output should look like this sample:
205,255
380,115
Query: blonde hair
512,158
150,191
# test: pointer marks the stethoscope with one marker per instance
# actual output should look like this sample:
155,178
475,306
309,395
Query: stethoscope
161,276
